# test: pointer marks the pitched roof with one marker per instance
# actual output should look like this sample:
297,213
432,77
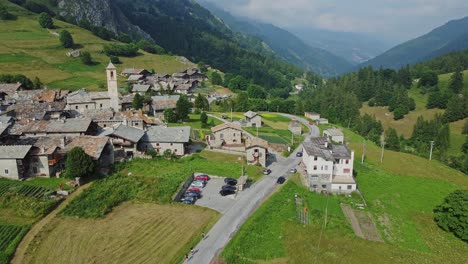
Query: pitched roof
141,88
10,88
57,126
250,114
132,71
99,95
93,146
164,101
14,151
80,96
329,152
129,133
6,119
135,77
334,132
111,66
167,134
226,125
256,142
48,144
3,128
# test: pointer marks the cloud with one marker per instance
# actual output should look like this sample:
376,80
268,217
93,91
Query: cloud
398,19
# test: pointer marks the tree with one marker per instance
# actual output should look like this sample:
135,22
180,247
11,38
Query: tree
204,119
66,39
201,103
4,14
465,128
37,84
79,164
216,79
456,108
115,60
45,20
464,148
202,67
183,108
428,79
456,82
392,140
86,58
170,116
137,101
242,102
256,91
452,214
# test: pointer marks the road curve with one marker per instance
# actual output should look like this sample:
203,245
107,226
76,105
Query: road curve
218,237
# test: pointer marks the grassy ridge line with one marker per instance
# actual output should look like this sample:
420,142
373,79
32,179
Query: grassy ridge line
28,49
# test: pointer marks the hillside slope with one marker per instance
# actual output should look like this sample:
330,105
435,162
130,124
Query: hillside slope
284,44
449,37
28,49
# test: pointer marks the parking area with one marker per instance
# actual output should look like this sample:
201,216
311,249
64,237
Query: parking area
212,199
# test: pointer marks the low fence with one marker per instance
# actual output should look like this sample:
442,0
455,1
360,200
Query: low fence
184,188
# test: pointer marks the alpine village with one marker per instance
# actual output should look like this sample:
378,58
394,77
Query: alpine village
200,131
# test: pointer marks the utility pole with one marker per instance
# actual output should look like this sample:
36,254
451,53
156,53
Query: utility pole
231,114
432,147
363,151
383,148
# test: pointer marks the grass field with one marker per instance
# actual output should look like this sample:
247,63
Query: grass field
132,233
444,79
28,49
194,122
401,194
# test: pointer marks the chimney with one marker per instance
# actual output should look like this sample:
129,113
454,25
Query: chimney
62,142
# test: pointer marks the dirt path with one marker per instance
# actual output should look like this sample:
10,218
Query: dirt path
36,228
362,223
349,213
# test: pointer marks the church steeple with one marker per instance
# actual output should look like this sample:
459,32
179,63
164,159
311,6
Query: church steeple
112,88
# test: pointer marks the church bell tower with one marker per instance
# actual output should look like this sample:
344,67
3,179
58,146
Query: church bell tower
112,87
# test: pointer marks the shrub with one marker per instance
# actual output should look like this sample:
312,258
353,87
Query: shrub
451,216
126,50
115,60
45,20
66,39
79,164
86,58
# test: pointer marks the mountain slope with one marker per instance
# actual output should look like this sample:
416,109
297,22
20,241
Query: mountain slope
450,37
354,47
26,48
284,44
185,28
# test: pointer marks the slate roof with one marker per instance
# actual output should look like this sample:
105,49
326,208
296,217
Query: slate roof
128,133
57,126
226,125
256,142
48,144
132,71
330,153
250,114
143,88
93,146
111,66
134,77
10,88
319,140
80,96
99,95
167,134
334,132
3,128
6,119
164,102
14,151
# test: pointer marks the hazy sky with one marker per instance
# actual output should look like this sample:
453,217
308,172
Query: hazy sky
396,20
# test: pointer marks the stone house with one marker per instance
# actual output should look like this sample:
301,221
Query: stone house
14,161
80,101
125,138
295,127
329,167
132,71
45,159
227,134
162,138
163,102
334,135
256,151
312,115
64,127
99,148
253,119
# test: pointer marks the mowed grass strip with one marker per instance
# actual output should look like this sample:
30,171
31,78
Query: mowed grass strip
132,233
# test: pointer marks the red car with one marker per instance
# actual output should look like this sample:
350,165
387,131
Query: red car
202,178
194,189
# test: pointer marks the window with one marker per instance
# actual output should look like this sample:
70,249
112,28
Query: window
35,159
157,144
234,134
136,124
326,167
76,107
112,75
350,187
346,170
315,157
100,105
324,186
86,106
315,167
175,150
7,172
347,161
35,170
314,186
221,136
172,144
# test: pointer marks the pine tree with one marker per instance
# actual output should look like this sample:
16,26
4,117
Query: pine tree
137,101
456,82
183,108
204,119
392,140
79,164
216,79
66,39
86,58
242,102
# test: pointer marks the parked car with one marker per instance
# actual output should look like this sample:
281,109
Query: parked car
299,154
197,184
266,171
189,200
226,192
230,181
229,187
194,189
281,180
293,170
224,116
193,194
203,177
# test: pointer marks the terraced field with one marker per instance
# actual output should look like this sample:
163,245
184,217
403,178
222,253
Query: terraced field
143,233
10,236
25,190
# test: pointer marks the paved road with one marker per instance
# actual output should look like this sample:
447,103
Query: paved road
232,219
